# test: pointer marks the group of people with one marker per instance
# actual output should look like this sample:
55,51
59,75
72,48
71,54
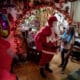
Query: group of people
48,42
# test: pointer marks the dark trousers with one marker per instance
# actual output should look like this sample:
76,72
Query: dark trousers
64,60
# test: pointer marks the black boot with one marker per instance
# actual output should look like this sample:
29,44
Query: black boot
47,68
60,65
42,72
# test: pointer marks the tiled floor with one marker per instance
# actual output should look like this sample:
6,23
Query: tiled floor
30,71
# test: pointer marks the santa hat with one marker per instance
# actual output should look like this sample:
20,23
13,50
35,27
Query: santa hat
51,20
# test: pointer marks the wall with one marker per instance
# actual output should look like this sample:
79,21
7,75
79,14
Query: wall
76,11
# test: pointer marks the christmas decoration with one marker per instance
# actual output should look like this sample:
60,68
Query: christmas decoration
4,25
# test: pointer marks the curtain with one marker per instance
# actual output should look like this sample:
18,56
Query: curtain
76,11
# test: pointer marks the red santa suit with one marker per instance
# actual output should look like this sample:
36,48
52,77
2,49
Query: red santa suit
5,58
5,61
44,40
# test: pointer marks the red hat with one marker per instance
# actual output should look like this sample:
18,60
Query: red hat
51,20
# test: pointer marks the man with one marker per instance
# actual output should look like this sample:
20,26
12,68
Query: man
46,43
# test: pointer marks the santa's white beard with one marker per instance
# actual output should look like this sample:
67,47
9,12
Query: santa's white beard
55,29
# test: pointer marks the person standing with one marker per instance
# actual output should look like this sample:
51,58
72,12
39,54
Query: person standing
46,44
67,43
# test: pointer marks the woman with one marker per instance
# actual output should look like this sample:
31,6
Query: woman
67,43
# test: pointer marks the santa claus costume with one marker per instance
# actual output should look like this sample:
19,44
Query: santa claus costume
5,61
46,43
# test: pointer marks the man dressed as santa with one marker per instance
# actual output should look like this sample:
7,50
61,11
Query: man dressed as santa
46,42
